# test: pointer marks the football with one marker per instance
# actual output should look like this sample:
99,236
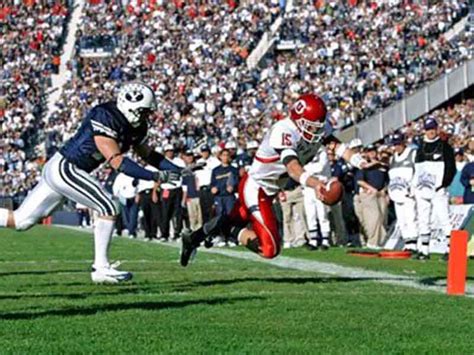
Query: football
332,192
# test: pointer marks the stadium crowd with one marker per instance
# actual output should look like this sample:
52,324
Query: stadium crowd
195,59
363,58
196,62
31,37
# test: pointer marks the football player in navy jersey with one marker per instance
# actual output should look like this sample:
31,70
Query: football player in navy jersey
107,132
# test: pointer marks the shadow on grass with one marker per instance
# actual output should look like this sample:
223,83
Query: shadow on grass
439,280
71,295
41,272
288,280
117,307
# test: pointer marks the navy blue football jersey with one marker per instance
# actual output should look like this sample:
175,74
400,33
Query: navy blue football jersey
103,120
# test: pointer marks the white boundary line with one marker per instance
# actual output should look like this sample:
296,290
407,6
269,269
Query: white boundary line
325,268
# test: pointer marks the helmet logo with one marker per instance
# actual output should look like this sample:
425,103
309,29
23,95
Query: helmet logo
134,96
300,106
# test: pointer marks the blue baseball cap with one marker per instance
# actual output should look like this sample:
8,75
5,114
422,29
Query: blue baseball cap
430,123
397,138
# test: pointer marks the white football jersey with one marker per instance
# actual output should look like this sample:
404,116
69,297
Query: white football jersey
280,142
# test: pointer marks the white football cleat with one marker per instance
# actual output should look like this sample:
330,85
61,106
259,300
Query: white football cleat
109,275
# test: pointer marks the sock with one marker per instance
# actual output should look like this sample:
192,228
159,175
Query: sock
425,244
102,236
410,244
4,217
325,240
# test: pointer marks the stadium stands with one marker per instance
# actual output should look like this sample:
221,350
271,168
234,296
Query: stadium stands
31,38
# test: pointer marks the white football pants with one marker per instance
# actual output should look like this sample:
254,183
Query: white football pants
61,179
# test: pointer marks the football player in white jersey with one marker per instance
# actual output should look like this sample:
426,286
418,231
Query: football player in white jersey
401,172
289,144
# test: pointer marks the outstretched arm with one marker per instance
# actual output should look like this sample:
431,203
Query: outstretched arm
155,159
109,148
297,173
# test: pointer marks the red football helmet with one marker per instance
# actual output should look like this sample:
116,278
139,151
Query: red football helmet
309,115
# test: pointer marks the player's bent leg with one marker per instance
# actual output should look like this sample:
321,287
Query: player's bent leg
39,203
190,242
228,226
269,242
79,186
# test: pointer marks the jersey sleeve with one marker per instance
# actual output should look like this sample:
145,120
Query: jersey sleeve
284,142
103,123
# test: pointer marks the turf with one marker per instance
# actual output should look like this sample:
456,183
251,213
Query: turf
432,270
217,305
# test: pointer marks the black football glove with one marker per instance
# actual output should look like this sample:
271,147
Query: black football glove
170,177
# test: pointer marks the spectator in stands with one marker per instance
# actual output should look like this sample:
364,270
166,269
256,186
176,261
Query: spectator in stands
125,189
191,192
224,184
171,199
294,225
149,203
467,179
371,201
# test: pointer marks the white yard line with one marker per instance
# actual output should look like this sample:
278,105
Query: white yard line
327,268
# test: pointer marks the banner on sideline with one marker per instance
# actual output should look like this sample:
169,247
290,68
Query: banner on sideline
458,214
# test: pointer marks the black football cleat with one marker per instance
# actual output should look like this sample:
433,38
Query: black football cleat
188,249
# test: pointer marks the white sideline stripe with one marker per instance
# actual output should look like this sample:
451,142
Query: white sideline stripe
342,271
328,269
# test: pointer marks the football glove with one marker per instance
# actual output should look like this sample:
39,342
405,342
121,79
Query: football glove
170,177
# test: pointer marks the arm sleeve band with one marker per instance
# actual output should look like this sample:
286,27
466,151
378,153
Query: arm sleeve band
130,168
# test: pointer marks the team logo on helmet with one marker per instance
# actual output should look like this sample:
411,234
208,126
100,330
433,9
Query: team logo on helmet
134,96
299,106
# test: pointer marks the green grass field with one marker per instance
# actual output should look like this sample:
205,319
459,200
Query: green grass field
217,305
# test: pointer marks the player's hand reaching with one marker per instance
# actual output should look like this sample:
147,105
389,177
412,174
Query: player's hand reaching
170,177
